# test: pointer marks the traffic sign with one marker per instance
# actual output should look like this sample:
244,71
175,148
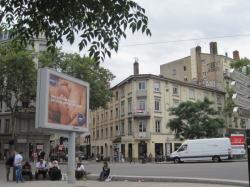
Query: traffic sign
240,88
241,101
239,77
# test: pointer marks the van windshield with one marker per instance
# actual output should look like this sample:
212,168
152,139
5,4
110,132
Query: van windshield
182,148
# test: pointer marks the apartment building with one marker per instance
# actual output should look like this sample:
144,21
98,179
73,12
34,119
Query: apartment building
134,122
27,137
205,69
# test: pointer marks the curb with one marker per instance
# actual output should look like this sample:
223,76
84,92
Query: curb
173,179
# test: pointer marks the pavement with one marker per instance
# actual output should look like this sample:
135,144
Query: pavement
125,180
89,183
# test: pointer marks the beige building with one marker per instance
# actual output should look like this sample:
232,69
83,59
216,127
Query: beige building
134,122
27,137
205,69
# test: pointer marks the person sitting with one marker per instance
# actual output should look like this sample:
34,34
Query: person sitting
80,171
105,172
27,170
41,169
54,171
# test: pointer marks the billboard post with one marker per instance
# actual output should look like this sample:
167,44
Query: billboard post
62,106
71,158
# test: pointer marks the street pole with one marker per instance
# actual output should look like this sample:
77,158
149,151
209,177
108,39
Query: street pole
248,148
71,158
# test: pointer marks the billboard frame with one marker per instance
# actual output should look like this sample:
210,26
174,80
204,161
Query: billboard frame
42,102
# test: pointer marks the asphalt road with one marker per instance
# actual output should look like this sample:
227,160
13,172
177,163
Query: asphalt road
223,170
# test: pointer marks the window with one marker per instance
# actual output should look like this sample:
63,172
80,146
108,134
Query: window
101,133
129,126
191,93
97,134
182,148
158,125
142,105
142,126
7,126
116,95
176,90
122,108
176,102
157,86
142,85
129,105
157,104
122,92
174,71
102,116
116,112
184,68
1,106
106,132
111,131
106,117
219,100
111,114
122,128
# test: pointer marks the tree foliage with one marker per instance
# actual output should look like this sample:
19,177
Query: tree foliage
82,68
195,120
17,77
240,64
100,23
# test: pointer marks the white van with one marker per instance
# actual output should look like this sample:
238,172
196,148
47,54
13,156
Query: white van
215,149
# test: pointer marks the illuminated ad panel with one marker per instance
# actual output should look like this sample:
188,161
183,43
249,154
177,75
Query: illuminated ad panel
62,102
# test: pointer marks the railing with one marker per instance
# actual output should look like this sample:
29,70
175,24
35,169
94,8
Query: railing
141,113
141,92
142,135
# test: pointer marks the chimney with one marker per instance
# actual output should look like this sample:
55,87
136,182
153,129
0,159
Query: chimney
198,50
136,67
213,48
236,55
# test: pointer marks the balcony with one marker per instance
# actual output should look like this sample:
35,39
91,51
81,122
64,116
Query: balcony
141,114
141,93
142,135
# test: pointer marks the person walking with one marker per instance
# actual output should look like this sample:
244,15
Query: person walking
18,166
9,164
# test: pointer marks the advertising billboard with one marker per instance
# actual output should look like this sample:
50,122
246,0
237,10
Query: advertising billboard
62,102
237,139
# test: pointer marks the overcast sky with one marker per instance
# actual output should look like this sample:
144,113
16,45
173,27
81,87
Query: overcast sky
174,20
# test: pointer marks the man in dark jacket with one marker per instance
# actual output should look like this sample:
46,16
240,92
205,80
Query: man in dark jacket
105,172
8,164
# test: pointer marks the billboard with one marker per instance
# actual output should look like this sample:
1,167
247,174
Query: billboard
62,102
237,139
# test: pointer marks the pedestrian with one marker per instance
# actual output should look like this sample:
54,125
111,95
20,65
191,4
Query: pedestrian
105,172
18,166
9,164
80,171
27,170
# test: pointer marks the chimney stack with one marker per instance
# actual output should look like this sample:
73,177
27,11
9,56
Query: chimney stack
236,55
136,67
213,48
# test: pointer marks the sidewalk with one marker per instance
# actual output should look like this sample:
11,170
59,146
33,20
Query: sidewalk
105,184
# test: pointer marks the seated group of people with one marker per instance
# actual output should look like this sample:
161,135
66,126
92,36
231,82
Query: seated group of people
41,169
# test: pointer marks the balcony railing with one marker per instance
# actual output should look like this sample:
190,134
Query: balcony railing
142,135
140,93
141,113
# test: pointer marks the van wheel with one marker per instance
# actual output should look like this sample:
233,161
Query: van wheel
176,160
216,159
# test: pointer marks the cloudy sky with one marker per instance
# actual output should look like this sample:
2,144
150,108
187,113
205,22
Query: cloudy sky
170,22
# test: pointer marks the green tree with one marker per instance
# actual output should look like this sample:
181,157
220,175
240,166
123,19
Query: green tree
82,68
100,23
241,64
195,120
17,78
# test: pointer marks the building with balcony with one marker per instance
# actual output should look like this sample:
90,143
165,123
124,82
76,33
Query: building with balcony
206,69
134,122
27,138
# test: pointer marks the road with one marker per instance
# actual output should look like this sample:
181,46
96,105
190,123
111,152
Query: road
223,170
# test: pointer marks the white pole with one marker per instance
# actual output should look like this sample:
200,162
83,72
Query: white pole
71,158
